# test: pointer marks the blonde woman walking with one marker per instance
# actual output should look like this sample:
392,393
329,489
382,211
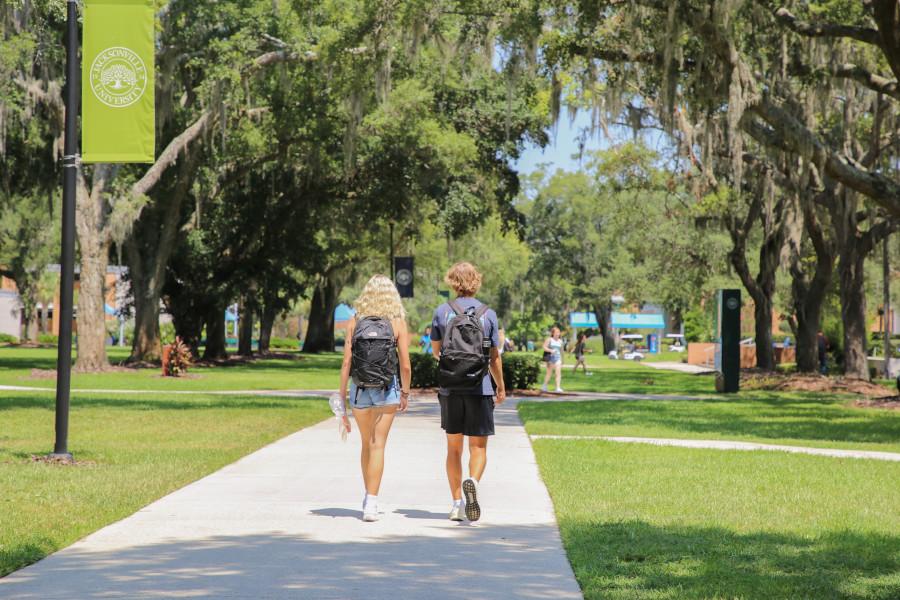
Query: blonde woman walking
377,348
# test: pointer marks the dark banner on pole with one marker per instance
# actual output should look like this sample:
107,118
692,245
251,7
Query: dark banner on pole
403,275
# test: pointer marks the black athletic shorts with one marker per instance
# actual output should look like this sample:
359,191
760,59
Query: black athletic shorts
468,414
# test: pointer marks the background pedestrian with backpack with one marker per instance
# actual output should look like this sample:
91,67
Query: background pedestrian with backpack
375,353
465,337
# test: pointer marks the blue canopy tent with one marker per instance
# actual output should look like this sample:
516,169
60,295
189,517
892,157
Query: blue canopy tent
584,320
641,321
343,313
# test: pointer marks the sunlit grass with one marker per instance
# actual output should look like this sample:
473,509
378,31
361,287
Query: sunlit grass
138,449
643,522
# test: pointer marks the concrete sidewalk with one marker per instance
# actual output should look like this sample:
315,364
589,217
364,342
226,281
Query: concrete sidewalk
284,523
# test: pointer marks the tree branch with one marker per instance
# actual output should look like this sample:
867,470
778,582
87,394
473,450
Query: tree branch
794,136
170,154
835,30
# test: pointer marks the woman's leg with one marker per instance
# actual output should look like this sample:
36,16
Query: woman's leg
365,423
558,374
547,375
382,420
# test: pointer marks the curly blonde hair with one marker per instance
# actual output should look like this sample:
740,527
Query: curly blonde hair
379,298
464,278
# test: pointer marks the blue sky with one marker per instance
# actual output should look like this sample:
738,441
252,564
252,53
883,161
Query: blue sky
559,152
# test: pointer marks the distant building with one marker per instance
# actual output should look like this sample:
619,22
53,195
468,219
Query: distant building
118,296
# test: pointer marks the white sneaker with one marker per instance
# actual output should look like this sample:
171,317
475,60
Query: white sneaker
559,390
543,388
470,490
456,512
370,511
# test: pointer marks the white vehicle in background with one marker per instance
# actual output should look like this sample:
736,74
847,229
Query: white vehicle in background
677,344
630,351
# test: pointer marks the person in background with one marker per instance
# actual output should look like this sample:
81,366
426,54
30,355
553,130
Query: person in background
553,346
425,341
822,344
580,350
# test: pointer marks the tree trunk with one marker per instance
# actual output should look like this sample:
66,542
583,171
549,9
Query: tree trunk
853,311
808,294
148,250
91,317
886,319
603,312
808,312
762,314
42,326
93,245
146,345
320,327
266,322
245,328
215,334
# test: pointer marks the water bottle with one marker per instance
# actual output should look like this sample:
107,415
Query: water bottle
339,409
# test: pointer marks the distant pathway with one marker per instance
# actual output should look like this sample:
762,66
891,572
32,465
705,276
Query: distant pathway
284,523
678,366
730,445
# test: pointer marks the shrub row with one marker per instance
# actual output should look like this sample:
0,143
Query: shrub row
520,370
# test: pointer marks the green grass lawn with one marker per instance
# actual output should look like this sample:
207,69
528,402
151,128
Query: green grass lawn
642,522
140,448
782,418
300,372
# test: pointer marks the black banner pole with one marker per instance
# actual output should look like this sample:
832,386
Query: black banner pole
67,260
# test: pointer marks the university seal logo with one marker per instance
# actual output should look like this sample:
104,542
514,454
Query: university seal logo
118,77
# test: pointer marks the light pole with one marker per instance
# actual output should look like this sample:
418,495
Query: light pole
67,260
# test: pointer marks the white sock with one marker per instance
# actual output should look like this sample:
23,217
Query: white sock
370,498
457,502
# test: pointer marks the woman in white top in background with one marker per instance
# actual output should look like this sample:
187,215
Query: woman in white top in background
554,346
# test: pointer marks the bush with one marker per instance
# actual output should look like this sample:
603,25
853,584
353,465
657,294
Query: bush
5,338
48,338
284,343
179,359
520,370
424,370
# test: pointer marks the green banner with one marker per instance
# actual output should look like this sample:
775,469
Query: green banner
118,119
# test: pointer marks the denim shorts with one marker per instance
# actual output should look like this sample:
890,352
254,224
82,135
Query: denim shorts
554,358
369,397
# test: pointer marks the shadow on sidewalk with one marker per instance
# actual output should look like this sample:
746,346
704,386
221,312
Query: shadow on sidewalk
488,563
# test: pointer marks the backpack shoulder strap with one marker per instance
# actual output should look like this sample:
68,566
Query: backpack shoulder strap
480,312
456,308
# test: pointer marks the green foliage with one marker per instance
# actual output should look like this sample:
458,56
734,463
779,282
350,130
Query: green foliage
284,343
48,338
699,325
524,326
521,370
6,338
424,370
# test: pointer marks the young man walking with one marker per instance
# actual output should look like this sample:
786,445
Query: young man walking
467,405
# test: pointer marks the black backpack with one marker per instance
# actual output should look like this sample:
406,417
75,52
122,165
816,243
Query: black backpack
464,350
374,361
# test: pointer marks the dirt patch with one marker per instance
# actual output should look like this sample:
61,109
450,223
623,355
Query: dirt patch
889,402
758,380
61,461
